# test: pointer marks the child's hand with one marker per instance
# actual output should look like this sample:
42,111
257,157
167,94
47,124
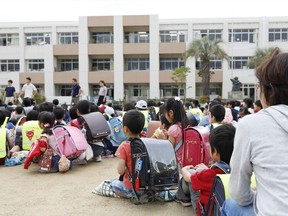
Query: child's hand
163,134
188,167
201,166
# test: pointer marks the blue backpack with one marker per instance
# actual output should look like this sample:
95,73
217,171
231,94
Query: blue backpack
117,136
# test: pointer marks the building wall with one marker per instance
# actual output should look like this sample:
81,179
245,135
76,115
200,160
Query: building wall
123,81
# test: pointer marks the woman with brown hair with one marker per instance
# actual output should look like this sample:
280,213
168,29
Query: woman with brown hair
261,146
102,93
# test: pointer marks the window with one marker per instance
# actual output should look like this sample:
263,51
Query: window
9,65
278,34
37,39
35,65
102,37
138,63
9,39
242,35
65,90
167,91
140,91
68,38
173,36
215,64
171,63
212,34
239,62
69,65
249,90
101,64
136,37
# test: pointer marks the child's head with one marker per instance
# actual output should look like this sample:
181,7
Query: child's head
231,104
133,123
46,121
27,102
32,115
175,113
46,106
73,112
128,106
19,110
195,103
221,142
248,103
83,107
257,106
59,113
164,122
55,102
187,106
93,107
217,113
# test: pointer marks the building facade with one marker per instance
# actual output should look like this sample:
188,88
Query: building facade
135,55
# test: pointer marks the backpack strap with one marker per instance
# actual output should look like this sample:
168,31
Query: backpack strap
223,166
178,145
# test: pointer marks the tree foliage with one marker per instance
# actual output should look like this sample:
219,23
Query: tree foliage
179,74
259,56
206,50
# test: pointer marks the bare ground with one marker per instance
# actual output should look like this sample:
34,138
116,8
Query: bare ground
28,192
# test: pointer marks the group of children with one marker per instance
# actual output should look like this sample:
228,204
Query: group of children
196,182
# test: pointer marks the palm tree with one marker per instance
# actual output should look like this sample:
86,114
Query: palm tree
206,50
259,56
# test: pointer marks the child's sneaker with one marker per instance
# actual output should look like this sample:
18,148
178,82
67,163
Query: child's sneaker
97,159
79,162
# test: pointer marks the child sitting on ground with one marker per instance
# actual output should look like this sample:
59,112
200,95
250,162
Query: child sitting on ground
195,186
59,114
133,123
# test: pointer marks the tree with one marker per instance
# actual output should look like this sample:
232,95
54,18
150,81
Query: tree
259,56
180,74
206,50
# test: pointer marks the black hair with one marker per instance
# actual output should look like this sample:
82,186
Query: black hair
46,106
178,110
151,103
164,121
27,102
2,117
232,103
19,110
258,103
196,103
93,107
73,112
59,113
221,139
28,78
213,103
187,104
117,107
55,102
74,79
47,118
248,102
237,103
218,112
128,106
134,121
10,81
32,115
83,107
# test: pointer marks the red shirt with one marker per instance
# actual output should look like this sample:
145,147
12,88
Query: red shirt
203,181
124,152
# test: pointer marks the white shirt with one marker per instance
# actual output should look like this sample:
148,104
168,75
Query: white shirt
28,90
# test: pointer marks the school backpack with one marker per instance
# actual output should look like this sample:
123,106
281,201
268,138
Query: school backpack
196,147
117,136
154,168
70,141
153,114
94,126
30,132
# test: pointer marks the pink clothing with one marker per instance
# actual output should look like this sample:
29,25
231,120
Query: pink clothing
176,132
228,116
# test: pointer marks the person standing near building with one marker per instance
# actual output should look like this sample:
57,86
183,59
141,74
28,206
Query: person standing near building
29,90
76,91
10,92
102,93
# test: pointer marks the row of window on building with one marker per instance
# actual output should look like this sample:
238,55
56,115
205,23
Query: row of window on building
235,35
131,64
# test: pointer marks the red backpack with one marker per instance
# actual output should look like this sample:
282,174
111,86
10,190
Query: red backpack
196,147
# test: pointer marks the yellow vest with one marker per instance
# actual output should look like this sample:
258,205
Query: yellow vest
4,125
145,113
196,111
30,132
3,142
225,181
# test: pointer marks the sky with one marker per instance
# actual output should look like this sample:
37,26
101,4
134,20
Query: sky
70,10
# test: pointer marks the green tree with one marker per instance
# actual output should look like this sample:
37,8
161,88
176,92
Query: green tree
206,50
259,56
179,74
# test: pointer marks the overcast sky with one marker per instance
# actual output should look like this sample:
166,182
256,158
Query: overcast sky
70,10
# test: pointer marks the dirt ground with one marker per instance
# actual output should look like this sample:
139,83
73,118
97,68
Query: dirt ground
28,192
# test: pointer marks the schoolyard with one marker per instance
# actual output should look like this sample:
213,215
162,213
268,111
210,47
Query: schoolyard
28,192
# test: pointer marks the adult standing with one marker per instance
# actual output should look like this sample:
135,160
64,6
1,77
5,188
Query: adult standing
76,91
28,89
102,93
10,92
260,146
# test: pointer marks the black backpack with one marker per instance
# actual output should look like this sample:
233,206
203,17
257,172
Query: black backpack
153,114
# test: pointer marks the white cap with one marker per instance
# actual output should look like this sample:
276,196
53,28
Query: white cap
109,110
141,104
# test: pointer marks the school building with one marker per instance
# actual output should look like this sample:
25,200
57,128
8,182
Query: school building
135,55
